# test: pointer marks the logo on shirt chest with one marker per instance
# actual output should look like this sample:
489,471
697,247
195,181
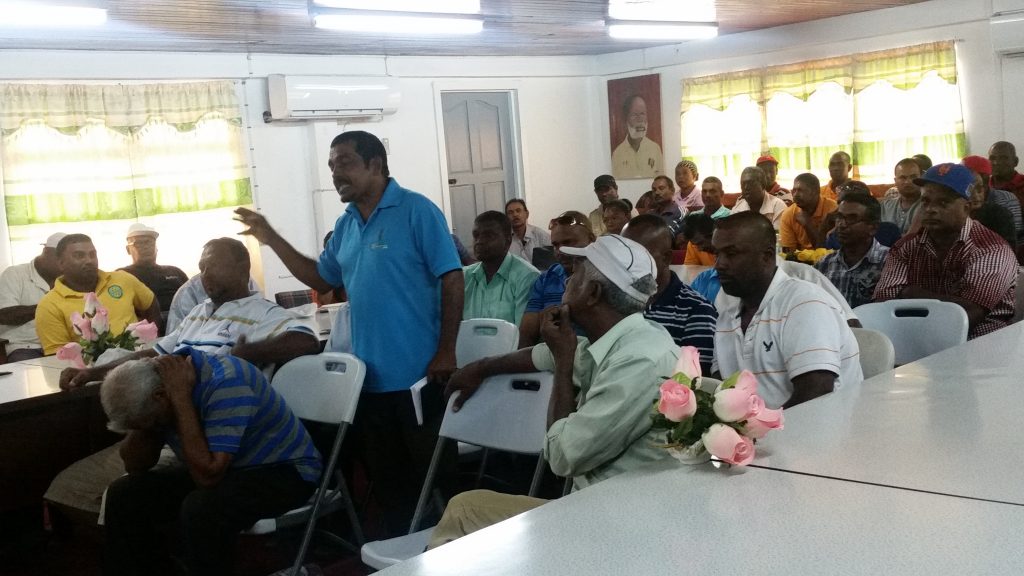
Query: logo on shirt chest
115,292
767,345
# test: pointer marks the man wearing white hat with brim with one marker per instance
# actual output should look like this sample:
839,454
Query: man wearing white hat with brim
21,288
164,281
617,371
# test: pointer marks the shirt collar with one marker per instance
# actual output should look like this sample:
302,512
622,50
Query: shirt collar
61,288
477,270
669,294
964,236
600,348
777,280
393,195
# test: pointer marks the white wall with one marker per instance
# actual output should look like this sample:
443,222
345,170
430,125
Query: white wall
966,22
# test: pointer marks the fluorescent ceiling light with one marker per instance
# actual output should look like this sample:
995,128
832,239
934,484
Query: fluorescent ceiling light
435,7
663,10
404,24
36,15
656,31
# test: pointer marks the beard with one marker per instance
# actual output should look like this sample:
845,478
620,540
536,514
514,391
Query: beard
637,132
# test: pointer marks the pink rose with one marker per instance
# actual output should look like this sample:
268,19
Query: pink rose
726,444
91,303
677,401
71,352
689,362
746,382
143,330
767,419
735,405
101,322
82,326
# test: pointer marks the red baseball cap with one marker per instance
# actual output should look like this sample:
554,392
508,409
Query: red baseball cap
767,158
978,164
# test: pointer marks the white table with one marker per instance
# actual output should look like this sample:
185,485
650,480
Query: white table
677,519
950,423
26,382
47,361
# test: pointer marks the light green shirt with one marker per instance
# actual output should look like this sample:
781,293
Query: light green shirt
505,296
722,212
618,376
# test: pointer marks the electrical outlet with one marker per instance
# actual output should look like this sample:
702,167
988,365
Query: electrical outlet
387,146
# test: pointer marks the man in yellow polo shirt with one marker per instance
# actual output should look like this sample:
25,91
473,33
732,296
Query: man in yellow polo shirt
805,224
126,299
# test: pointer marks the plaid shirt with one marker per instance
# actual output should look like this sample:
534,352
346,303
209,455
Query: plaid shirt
857,282
980,267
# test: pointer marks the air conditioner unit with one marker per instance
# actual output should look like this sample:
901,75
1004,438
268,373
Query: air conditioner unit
1007,32
326,97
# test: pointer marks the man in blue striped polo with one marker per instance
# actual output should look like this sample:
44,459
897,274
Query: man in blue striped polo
244,457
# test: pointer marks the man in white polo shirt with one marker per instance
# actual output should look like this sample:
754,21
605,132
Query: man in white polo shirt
790,333
21,288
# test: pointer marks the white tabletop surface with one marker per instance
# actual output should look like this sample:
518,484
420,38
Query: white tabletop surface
949,423
679,519
26,381
47,361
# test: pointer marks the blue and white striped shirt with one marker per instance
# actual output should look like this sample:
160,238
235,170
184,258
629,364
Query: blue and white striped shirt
688,317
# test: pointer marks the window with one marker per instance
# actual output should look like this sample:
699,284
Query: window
95,158
880,107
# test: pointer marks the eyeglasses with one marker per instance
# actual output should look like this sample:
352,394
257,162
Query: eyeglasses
569,219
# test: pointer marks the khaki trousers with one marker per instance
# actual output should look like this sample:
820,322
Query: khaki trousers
470,511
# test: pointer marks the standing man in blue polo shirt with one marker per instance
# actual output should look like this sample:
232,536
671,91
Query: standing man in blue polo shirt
393,249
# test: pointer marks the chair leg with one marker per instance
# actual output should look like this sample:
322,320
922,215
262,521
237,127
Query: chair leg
483,467
325,479
427,485
538,472
350,508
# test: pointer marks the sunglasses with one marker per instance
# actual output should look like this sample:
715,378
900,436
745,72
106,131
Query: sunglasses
568,219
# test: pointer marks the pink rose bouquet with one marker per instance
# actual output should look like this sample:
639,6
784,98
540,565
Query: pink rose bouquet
95,337
725,423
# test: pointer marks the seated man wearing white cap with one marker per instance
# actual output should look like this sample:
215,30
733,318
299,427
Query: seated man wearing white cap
164,281
21,288
617,372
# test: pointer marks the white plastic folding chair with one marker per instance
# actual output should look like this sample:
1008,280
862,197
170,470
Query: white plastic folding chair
509,413
323,388
916,327
877,354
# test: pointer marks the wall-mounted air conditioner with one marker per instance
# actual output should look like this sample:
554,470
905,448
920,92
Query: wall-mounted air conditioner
1007,31
326,97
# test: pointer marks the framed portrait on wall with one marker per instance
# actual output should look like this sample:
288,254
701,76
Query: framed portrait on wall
634,121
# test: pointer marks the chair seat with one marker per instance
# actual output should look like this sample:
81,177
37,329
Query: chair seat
384,553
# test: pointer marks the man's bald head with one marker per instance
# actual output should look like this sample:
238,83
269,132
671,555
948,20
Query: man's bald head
651,231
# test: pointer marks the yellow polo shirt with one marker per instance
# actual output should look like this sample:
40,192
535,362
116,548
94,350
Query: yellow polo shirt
792,234
119,292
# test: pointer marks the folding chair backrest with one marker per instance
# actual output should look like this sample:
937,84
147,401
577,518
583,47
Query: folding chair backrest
916,327
482,337
293,298
508,412
322,388
877,354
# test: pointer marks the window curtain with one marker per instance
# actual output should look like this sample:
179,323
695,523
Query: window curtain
108,155
880,107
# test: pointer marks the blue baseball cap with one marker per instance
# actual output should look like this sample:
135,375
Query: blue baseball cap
956,177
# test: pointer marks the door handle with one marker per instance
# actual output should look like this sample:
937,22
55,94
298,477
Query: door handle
452,181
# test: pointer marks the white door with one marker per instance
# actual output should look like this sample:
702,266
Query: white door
479,142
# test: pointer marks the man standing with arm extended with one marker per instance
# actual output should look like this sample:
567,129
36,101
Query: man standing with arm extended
404,280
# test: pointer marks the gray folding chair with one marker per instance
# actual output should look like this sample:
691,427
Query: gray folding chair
916,327
323,388
509,412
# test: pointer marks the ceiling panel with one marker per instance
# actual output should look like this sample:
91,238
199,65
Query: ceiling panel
512,27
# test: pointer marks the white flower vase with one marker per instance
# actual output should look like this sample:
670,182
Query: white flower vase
111,354
692,455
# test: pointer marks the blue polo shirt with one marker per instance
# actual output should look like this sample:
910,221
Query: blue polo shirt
547,289
391,264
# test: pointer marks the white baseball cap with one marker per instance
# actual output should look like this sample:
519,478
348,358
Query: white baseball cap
53,239
140,229
621,260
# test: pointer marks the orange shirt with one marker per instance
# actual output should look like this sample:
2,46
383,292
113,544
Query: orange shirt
792,234
698,257
828,192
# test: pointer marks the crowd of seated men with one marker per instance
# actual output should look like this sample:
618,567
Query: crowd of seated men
602,309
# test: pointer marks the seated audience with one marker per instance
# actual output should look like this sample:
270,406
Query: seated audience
571,229
788,332
242,456
805,224
711,193
164,281
643,204
687,316
952,258
923,162
839,166
616,373
663,203
525,236
606,190
697,229
126,299
983,168
688,198
499,284
754,197
1003,157
616,214
190,294
22,286
770,166
902,210
989,214
707,285
855,268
